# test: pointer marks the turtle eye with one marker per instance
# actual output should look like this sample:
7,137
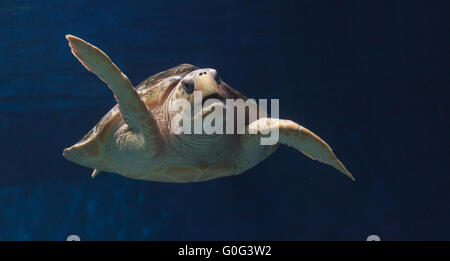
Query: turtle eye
215,76
188,86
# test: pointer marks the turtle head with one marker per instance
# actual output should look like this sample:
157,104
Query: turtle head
202,91
202,86
206,81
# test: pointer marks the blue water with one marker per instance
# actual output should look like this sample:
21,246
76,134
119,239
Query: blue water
370,77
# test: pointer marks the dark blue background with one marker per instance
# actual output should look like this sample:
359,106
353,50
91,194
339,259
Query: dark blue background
370,77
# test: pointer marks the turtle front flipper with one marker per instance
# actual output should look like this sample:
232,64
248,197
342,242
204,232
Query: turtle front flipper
134,111
300,138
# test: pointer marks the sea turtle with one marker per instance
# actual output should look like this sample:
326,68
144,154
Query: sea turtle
134,139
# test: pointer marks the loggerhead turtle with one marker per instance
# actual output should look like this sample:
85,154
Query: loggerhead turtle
134,139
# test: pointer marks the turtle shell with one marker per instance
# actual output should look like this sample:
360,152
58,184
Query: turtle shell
154,89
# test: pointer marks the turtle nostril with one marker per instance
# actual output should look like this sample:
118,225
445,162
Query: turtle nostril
188,86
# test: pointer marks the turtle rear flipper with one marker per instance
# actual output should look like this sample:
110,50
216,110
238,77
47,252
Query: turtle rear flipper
134,111
95,172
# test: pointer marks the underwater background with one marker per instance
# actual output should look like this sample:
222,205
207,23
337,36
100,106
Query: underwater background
369,77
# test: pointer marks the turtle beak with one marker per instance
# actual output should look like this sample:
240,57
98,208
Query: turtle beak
206,82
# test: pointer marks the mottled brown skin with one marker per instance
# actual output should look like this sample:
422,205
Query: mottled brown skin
134,139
